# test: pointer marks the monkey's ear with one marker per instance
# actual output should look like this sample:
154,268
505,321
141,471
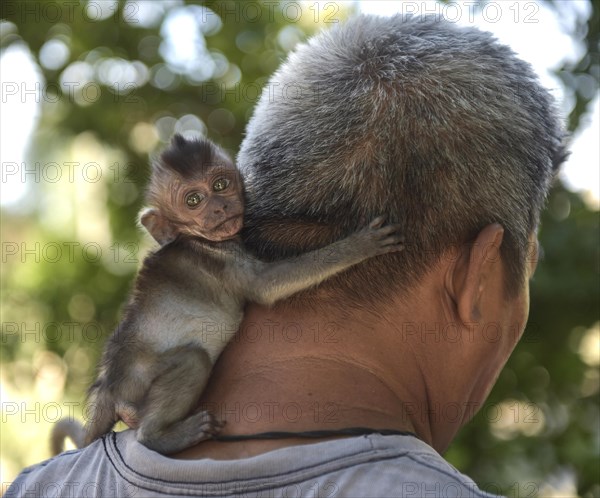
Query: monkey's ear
157,225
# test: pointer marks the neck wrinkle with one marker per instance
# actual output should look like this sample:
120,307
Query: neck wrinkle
346,382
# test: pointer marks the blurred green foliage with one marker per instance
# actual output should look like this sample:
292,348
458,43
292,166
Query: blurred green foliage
540,427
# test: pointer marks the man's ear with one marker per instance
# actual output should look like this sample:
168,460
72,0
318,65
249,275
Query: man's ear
473,271
157,225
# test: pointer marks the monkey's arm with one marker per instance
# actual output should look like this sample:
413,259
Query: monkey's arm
270,282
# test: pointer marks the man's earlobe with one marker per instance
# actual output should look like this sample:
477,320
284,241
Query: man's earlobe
156,225
473,272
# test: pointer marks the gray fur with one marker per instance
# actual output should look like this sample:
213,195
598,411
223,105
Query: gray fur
439,127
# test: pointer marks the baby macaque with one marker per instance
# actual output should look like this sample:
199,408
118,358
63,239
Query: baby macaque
159,358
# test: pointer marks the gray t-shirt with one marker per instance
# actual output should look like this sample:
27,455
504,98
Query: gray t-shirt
366,466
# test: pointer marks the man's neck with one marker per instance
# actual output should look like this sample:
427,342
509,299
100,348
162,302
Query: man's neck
287,373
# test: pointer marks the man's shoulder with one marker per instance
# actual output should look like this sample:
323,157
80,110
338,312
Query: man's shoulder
374,465
402,466
82,472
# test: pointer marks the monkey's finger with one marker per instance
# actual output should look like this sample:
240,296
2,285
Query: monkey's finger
392,248
219,424
377,222
213,428
392,241
397,248
399,236
388,229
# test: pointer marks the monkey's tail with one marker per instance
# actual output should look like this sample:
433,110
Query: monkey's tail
66,428
102,413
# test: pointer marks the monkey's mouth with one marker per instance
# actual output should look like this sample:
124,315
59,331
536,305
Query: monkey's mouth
230,227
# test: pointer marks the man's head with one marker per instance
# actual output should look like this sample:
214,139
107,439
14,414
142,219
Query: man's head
440,128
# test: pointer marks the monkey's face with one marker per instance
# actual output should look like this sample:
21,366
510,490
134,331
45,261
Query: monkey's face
212,206
195,190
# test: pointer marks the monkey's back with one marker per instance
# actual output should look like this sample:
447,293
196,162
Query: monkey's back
178,301
182,297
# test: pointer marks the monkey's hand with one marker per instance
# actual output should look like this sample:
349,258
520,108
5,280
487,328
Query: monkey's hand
377,238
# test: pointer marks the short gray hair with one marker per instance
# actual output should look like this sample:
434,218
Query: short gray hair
440,128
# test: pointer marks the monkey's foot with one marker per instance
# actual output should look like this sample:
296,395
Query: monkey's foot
208,425
198,427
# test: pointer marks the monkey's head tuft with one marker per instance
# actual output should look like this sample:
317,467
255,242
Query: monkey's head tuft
191,158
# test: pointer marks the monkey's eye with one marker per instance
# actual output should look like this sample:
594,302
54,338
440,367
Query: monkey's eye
220,184
192,200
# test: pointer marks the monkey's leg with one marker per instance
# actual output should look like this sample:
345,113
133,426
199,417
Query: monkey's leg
102,415
166,424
